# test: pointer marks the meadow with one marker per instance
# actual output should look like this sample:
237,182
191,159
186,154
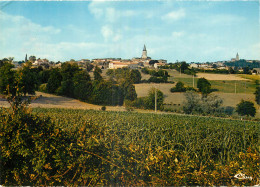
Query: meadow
162,149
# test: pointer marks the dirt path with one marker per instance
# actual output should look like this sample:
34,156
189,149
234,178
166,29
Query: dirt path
54,101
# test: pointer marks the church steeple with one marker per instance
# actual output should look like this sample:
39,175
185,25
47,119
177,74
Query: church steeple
25,60
237,57
144,53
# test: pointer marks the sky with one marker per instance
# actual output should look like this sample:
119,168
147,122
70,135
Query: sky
191,31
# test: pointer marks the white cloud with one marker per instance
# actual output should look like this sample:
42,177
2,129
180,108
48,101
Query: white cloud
174,15
177,34
104,11
109,34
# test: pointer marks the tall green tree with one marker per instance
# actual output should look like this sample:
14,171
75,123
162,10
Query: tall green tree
97,74
68,70
128,90
82,85
54,81
7,79
135,76
27,80
184,66
204,86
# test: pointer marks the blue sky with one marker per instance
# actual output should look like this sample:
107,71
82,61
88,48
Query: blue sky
194,31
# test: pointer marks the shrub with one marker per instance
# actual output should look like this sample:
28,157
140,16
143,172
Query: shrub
246,108
43,88
202,105
229,110
178,88
103,108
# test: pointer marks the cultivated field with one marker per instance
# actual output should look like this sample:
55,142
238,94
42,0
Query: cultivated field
230,99
210,76
152,149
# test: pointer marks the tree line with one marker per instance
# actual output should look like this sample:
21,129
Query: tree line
69,80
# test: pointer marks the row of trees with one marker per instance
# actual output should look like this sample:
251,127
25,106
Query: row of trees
122,74
73,82
203,86
69,80
160,76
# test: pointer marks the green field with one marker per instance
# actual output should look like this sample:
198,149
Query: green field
161,149
224,86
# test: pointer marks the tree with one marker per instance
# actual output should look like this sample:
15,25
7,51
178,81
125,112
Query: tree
192,103
54,80
135,76
204,105
7,79
204,86
257,95
44,76
246,108
100,93
178,88
68,70
27,80
150,99
128,90
66,88
246,70
82,85
97,74
184,66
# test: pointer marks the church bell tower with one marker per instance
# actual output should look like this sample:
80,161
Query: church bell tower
144,53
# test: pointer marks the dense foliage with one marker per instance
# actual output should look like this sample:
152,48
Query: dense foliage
71,81
148,102
179,87
24,80
195,104
78,147
257,95
204,86
246,108
131,75
160,76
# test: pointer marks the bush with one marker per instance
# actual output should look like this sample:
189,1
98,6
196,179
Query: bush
103,108
29,147
178,88
246,108
43,88
36,152
229,110
202,105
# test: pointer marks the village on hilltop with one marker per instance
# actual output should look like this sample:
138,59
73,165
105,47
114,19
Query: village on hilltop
143,62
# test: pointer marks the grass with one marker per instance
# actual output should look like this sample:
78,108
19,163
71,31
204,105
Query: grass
251,77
